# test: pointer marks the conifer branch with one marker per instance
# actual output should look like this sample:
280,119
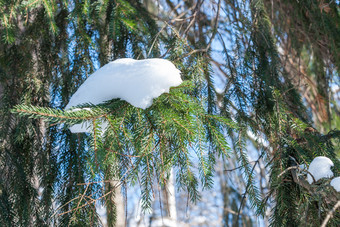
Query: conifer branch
249,184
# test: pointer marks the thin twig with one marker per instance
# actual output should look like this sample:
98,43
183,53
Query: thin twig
196,10
63,206
248,185
82,196
215,25
126,155
88,203
96,182
229,170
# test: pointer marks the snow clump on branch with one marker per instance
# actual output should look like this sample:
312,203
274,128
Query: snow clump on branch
335,183
135,81
320,167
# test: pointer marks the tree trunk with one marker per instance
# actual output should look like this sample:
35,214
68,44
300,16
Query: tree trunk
170,192
115,207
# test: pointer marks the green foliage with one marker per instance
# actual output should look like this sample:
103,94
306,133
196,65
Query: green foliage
48,48
297,144
148,143
310,31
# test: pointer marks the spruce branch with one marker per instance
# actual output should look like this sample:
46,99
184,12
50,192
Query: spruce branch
55,115
249,185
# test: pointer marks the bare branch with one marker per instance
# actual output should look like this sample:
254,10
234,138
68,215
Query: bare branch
330,214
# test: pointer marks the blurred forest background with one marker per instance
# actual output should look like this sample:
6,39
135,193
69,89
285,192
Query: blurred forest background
269,66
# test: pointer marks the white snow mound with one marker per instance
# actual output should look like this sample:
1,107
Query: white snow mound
335,183
135,81
320,167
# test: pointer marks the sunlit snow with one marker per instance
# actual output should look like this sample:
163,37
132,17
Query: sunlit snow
135,81
335,183
320,167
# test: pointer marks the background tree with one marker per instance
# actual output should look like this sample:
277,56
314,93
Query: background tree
271,66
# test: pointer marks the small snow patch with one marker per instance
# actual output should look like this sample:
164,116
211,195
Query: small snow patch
320,167
302,170
302,167
335,183
86,126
